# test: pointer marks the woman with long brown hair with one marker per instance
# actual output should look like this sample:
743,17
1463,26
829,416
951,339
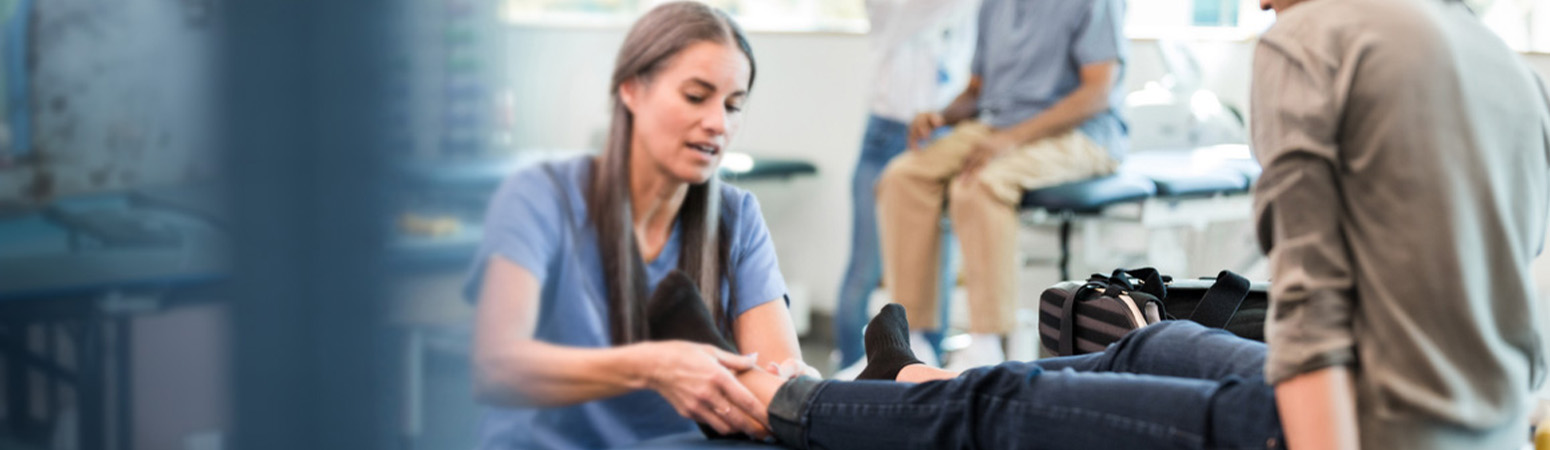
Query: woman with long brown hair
572,249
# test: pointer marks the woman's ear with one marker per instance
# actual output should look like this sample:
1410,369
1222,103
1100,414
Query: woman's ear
629,92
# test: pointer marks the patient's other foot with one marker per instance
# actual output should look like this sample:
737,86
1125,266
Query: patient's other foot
887,345
677,312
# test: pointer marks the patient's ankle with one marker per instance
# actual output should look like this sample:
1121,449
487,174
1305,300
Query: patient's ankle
763,385
921,373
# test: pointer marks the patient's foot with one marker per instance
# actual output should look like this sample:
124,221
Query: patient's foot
677,312
887,345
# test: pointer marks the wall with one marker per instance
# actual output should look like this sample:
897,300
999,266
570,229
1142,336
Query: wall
806,104
560,77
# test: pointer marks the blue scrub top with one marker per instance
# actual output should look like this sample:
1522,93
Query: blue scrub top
527,224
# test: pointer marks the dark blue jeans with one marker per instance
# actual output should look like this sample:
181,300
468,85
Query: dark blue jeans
884,139
1170,385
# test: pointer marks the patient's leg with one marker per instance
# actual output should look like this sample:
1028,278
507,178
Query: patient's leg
1176,348
889,358
1149,391
1213,354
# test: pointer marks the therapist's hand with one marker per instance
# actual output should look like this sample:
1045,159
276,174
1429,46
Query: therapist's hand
791,368
698,380
921,128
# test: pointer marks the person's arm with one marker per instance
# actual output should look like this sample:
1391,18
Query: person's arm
767,330
963,107
1097,49
1089,99
512,368
1318,409
966,105
1298,214
764,325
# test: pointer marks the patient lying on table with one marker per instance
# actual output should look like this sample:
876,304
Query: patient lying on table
1171,384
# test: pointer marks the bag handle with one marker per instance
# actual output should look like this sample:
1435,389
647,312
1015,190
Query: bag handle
1152,281
1222,300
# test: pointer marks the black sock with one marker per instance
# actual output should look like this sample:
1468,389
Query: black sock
676,311
887,345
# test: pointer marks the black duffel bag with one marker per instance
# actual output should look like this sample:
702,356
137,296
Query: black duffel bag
1084,317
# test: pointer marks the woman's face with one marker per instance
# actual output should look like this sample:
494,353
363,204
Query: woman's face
686,114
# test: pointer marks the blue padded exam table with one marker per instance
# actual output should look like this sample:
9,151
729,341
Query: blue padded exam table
1165,175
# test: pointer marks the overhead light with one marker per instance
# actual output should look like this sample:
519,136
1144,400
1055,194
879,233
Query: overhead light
738,163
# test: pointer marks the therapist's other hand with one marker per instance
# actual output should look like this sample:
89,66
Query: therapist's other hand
922,126
986,150
698,380
791,368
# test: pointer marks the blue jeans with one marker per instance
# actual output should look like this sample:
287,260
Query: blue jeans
1174,384
884,139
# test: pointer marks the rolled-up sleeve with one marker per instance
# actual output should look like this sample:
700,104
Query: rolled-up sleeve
1296,111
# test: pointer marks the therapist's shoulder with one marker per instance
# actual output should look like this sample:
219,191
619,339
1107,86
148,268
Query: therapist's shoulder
737,202
544,184
549,176
740,209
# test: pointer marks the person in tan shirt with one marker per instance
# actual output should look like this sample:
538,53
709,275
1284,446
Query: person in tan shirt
1403,199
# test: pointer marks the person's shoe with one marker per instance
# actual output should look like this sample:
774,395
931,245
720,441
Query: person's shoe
849,373
923,349
983,350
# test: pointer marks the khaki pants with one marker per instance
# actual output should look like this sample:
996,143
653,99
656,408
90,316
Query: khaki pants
910,197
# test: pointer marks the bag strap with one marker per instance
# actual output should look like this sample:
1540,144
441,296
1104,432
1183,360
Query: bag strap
1066,345
1222,300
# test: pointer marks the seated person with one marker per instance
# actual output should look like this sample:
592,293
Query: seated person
1405,194
1044,86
